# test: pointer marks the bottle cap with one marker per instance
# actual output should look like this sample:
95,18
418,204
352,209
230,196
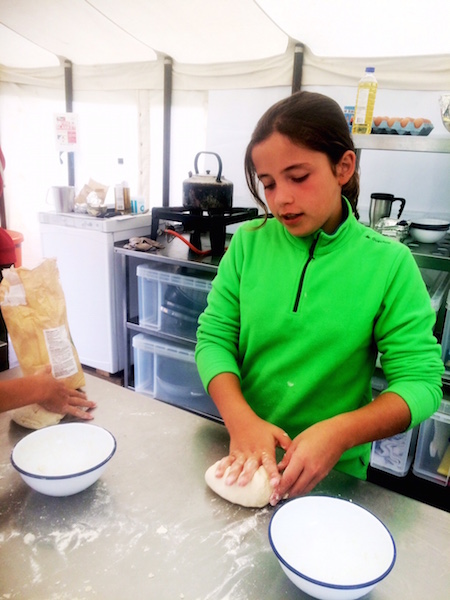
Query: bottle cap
370,69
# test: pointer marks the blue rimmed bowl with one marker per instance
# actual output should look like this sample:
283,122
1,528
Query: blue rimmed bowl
331,548
64,459
429,231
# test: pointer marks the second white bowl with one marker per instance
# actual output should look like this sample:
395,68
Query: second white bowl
64,459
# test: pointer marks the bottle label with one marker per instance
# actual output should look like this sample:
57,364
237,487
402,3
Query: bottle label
119,198
361,108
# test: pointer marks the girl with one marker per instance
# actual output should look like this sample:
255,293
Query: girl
300,308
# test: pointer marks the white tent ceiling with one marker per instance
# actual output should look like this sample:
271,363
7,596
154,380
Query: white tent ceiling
100,32
230,60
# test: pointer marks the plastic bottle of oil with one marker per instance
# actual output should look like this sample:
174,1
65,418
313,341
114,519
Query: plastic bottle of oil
365,102
122,192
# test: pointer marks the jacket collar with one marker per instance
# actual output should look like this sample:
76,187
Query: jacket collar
329,242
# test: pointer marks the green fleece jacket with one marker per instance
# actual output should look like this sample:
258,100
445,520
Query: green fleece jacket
301,321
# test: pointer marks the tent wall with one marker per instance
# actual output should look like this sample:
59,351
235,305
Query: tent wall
215,107
408,73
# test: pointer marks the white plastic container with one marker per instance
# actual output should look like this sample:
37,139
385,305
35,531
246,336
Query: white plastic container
168,372
432,460
437,285
365,102
395,454
446,337
170,301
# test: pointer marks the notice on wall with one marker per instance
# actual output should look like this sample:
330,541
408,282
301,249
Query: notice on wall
66,125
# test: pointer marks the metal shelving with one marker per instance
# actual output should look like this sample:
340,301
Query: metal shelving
428,256
175,254
403,143
431,256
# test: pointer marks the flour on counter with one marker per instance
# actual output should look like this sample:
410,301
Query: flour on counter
233,537
29,539
37,576
161,530
74,538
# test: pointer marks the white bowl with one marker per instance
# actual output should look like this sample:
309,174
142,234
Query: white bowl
331,548
64,459
429,231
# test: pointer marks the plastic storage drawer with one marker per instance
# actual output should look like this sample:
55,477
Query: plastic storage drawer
168,372
395,454
171,301
446,339
432,459
437,286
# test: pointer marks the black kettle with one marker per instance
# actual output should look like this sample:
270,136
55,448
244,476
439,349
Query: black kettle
207,192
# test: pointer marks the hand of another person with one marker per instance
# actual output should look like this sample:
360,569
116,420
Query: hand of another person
56,397
251,446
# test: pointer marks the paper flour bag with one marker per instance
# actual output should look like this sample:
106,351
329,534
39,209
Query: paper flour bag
34,309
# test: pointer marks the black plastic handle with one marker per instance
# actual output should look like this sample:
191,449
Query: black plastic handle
402,202
219,160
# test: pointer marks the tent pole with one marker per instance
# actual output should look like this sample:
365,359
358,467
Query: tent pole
68,84
298,68
166,141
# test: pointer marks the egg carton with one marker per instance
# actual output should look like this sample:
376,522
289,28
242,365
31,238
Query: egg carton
397,129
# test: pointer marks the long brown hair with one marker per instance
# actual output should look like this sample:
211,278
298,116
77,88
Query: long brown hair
311,120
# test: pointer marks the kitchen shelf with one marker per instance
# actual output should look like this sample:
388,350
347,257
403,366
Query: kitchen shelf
431,256
175,253
405,143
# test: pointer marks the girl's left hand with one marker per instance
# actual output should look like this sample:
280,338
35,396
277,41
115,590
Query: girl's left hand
309,458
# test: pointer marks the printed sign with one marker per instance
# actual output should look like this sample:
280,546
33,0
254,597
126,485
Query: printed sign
66,132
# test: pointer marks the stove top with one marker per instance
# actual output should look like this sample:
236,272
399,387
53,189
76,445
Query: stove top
197,222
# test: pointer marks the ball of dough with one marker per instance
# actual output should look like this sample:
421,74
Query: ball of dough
255,494
35,416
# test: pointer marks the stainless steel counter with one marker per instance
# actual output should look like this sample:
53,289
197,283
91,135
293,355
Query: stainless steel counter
150,528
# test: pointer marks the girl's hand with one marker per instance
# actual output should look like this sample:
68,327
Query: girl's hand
309,458
251,446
